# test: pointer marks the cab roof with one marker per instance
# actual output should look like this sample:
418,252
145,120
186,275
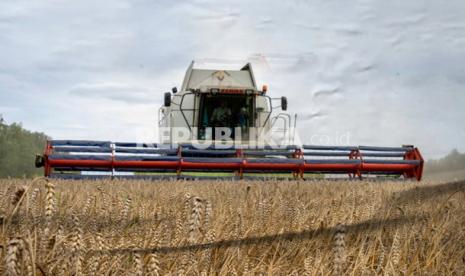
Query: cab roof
205,79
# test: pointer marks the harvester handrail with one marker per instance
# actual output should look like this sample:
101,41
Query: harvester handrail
325,153
208,151
243,147
378,161
57,156
89,143
333,161
361,148
145,150
340,148
382,154
82,149
136,145
265,153
370,148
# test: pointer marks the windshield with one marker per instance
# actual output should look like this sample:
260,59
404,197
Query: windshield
234,112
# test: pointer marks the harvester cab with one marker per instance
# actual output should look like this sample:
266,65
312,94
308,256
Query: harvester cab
220,122
220,106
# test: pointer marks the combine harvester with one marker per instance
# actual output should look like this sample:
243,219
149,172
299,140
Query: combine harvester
221,124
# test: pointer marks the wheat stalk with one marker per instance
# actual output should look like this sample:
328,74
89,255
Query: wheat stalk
87,206
395,251
13,257
208,216
153,265
34,204
339,256
29,258
125,210
138,266
76,245
380,263
195,219
49,201
308,266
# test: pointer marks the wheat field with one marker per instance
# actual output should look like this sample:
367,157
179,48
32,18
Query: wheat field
129,227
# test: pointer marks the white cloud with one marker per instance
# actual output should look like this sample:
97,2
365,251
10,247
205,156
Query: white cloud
112,91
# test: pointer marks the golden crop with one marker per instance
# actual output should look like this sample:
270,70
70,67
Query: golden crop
135,227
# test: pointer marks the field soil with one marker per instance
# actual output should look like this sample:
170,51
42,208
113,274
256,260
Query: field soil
320,227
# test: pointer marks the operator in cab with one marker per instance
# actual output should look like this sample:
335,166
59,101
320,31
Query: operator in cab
243,122
221,115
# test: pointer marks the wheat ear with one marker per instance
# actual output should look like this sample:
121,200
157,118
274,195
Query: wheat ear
13,257
339,250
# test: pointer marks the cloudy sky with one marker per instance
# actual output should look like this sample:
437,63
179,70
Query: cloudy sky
382,72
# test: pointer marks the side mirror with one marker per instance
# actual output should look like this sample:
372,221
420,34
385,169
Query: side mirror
284,103
167,100
174,90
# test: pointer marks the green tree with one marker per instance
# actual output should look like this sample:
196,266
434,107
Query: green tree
17,150
453,161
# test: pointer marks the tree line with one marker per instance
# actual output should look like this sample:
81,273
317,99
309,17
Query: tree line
451,162
18,148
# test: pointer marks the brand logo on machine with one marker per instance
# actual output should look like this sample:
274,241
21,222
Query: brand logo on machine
219,75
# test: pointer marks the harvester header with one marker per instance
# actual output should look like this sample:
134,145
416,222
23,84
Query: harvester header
66,158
